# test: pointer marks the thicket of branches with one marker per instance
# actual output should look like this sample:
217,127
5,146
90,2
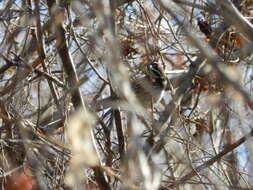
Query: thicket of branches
58,59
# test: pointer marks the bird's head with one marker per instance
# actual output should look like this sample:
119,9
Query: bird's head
155,72
200,19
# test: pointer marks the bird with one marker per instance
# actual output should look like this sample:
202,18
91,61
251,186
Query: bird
149,89
204,27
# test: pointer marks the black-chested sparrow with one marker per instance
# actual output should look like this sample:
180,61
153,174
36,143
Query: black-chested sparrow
148,89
